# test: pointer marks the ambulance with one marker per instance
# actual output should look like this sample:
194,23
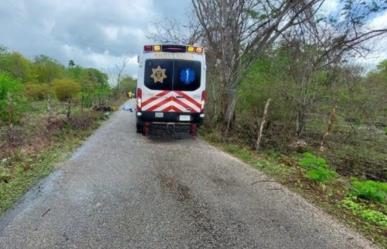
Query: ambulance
171,89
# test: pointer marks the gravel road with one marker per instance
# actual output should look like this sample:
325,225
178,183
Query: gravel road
123,190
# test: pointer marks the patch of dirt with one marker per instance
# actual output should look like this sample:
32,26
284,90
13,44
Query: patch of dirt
221,182
171,185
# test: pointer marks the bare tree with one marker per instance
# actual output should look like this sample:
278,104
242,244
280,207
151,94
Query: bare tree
237,32
324,43
120,68
173,31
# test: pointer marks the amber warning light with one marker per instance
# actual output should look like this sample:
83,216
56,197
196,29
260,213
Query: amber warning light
173,49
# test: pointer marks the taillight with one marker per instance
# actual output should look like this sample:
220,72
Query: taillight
152,48
148,48
139,97
204,96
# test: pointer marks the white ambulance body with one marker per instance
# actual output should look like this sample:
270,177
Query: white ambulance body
171,88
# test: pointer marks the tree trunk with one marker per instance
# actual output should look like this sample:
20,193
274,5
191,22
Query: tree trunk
300,123
49,105
229,112
68,109
260,133
332,118
11,111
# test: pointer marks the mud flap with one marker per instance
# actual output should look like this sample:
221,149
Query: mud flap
193,130
145,129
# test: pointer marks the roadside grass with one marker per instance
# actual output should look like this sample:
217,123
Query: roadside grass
360,204
370,190
27,171
43,144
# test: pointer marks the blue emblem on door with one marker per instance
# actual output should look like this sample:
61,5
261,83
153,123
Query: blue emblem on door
187,75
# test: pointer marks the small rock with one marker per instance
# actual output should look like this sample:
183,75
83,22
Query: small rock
298,145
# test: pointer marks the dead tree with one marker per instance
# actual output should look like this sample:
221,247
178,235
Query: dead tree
173,31
262,125
324,44
120,68
237,32
332,118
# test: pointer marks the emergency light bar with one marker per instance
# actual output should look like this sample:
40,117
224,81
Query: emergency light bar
173,49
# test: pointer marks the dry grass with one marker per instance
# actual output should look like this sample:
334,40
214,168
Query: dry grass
30,150
286,170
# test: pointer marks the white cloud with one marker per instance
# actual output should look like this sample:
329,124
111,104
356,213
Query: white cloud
94,33
114,32
378,22
329,7
104,61
377,46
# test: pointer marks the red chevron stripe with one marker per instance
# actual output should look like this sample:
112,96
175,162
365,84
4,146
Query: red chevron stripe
189,108
154,97
171,108
189,98
154,107
170,99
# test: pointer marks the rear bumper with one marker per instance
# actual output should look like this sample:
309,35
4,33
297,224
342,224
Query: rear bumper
170,117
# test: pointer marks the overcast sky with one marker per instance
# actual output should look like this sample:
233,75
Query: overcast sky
95,33
101,33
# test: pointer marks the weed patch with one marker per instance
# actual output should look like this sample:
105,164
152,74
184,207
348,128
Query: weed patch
370,190
240,152
369,215
316,168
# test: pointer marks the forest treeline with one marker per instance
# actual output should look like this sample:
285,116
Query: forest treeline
340,113
23,81
46,108
282,76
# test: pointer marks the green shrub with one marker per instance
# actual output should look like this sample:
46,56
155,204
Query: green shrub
321,174
370,190
12,104
316,168
369,215
310,161
374,216
37,91
66,89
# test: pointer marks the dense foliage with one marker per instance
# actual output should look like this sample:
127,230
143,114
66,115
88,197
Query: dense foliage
339,111
371,190
23,81
45,110
11,99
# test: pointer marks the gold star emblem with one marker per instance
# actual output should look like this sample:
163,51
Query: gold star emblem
158,74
